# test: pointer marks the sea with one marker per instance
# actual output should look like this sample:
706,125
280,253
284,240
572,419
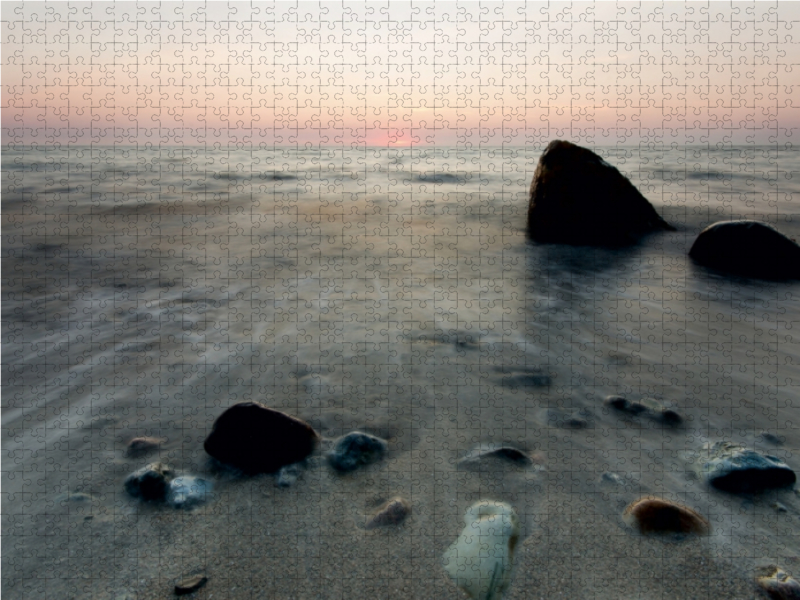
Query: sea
393,290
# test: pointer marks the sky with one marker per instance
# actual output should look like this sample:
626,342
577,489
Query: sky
400,74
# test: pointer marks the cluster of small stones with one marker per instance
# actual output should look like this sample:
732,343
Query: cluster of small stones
156,482
725,466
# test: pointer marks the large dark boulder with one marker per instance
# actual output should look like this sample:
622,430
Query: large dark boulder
578,198
257,439
747,248
734,468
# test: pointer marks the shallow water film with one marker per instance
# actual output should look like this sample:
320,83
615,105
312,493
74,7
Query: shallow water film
393,292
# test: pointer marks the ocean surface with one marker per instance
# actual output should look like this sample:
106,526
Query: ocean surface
392,290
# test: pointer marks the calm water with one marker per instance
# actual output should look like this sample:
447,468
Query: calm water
144,291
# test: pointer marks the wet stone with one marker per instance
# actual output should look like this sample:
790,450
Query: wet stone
778,584
287,476
140,446
481,560
392,512
257,439
646,407
747,248
579,419
190,584
656,515
733,468
356,449
481,455
612,478
576,197
150,482
75,498
188,491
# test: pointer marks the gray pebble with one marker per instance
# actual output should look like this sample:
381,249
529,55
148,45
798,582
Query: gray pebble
188,491
484,453
357,449
150,482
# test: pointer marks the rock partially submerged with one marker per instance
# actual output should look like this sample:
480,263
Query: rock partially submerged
392,512
734,468
356,449
190,584
747,248
778,584
578,198
656,515
257,439
150,482
478,457
646,407
480,561
576,419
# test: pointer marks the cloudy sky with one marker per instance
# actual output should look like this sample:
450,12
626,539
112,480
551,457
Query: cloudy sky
400,73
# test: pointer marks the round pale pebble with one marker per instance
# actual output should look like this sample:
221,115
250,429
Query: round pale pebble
480,561
356,449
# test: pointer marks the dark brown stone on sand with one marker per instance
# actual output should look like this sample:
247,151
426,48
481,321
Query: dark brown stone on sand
190,584
578,198
257,439
747,248
656,515
392,512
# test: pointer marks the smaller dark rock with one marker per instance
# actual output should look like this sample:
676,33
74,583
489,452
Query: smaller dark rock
778,584
142,445
618,403
356,449
257,439
392,512
190,584
747,248
646,407
150,482
732,468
